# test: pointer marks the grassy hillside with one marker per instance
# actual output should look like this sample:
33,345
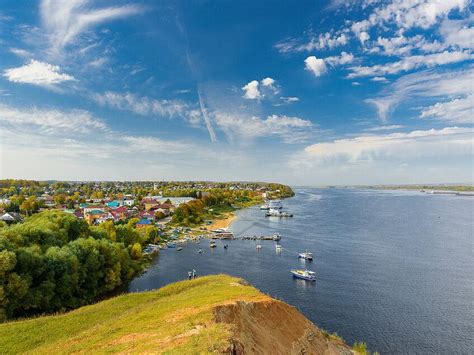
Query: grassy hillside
209,314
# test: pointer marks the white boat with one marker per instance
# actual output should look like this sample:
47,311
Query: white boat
278,248
258,247
304,274
265,207
305,256
277,213
212,245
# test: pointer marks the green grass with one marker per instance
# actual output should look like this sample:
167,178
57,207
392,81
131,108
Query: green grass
175,319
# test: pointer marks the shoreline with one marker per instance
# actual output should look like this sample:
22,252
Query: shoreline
224,223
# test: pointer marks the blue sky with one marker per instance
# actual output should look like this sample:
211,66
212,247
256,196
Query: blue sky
307,92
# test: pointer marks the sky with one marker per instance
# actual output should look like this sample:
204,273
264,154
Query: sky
300,92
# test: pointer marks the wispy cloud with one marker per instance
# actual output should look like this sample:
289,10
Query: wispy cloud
51,121
64,21
143,105
410,63
423,84
449,141
241,126
459,110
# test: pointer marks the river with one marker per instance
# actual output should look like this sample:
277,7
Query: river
395,269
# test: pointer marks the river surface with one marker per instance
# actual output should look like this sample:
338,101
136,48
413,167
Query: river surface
395,269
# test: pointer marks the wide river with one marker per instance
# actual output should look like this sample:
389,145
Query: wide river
395,269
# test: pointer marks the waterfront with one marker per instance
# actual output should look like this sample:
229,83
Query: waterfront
395,268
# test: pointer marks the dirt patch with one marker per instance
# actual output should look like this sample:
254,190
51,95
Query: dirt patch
273,327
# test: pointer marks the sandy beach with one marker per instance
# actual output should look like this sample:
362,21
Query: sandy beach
223,223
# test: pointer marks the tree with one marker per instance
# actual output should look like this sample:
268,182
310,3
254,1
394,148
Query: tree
136,251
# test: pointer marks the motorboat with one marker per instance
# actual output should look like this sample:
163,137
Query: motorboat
179,248
258,247
265,207
305,256
304,274
226,246
278,248
212,245
171,245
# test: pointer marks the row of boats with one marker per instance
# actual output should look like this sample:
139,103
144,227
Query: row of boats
274,209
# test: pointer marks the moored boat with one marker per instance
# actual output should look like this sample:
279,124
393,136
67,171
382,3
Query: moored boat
304,274
305,256
212,245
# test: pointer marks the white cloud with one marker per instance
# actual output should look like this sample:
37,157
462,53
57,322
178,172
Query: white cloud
379,79
416,13
289,99
51,121
20,52
448,142
268,82
458,32
459,110
424,84
256,90
410,63
37,73
323,41
143,105
241,126
251,90
315,65
342,59
64,21
384,128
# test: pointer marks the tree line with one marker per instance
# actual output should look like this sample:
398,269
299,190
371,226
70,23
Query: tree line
54,262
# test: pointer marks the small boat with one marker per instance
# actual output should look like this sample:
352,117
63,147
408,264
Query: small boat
265,207
200,251
212,245
258,247
278,248
225,246
304,274
305,256
171,245
179,248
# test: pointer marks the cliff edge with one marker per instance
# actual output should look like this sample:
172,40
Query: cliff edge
212,314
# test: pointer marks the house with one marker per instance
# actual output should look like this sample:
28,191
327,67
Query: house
90,208
147,215
144,223
11,217
120,212
164,208
149,203
91,216
128,202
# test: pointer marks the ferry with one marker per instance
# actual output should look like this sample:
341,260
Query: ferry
304,274
306,256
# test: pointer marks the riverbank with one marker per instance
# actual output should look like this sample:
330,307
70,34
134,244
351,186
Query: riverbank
223,223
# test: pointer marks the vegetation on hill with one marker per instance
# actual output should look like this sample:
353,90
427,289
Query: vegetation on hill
55,262
213,314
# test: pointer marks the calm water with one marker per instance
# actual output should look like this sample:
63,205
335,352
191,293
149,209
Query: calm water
395,269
